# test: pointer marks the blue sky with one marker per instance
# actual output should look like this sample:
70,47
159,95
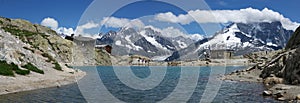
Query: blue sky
68,12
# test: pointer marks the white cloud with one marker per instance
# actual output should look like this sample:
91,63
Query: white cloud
108,22
247,15
90,25
50,22
53,24
174,32
121,22
63,30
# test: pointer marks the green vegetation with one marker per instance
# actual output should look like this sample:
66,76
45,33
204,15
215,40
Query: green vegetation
32,37
22,72
1,22
33,68
51,59
8,69
18,32
57,66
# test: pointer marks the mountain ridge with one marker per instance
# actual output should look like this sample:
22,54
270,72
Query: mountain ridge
241,37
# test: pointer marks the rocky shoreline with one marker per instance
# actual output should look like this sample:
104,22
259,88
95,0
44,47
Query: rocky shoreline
51,78
278,90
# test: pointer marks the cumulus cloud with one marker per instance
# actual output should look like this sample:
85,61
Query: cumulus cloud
247,15
50,22
90,25
121,22
64,30
54,25
173,32
112,22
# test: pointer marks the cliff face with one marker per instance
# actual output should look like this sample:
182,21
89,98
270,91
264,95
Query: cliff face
294,41
285,64
39,37
22,42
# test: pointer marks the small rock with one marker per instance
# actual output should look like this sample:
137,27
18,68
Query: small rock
281,99
278,94
267,93
58,85
298,97
286,88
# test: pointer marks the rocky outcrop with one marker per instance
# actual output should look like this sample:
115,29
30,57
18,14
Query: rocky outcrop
46,42
39,37
294,41
291,69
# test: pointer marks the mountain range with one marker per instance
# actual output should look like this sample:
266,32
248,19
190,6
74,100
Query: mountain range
148,41
243,38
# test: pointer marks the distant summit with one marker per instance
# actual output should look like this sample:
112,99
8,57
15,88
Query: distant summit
243,38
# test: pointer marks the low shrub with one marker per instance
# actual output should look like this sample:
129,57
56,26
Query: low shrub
22,72
57,66
33,68
6,69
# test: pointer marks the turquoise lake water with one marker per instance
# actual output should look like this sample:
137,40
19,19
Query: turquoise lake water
138,84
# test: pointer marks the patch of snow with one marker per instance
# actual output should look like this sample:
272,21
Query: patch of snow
196,37
221,39
160,58
152,40
119,43
170,47
128,46
181,44
271,44
245,44
137,48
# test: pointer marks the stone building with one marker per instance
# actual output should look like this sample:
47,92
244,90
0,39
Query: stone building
107,48
221,54
139,60
84,52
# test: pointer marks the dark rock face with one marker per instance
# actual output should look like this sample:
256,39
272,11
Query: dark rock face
294,42
291,72
285,65
108,38
262,33
147,46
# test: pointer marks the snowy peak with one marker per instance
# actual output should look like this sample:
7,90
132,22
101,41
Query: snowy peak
243,38
149,42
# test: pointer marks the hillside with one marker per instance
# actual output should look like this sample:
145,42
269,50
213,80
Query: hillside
33,56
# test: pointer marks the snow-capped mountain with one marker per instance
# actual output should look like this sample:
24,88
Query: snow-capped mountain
147,42
241,37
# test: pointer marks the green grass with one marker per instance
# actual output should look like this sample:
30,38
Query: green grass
57,66
6,69
9,69
33,68
22,72
51,59
18,32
